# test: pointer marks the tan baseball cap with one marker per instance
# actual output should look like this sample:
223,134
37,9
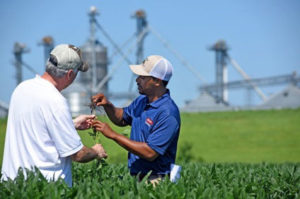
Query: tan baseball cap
155,66
67,56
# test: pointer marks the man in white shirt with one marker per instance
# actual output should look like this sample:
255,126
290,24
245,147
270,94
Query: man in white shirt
40,130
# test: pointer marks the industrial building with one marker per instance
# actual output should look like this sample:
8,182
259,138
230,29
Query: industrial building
212,96
287,98
3,109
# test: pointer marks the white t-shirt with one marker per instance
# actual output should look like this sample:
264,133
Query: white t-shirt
40,132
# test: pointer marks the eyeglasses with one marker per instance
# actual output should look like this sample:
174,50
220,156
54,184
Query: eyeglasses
77,50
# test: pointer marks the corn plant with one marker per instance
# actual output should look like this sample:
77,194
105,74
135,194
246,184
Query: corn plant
198,180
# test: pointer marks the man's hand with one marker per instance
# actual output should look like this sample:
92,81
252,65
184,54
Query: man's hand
115,114
100,100
104,128
83,122
98,148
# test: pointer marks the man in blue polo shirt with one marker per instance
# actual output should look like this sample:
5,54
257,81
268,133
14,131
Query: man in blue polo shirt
154,120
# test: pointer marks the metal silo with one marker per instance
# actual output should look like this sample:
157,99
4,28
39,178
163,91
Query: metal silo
79,93
78,98
100,53
95,54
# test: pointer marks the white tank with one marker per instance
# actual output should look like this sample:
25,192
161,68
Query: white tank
101,64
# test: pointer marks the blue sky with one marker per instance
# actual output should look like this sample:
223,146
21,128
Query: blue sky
263,37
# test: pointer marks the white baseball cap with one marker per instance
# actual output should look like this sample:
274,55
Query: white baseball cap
155,66
67,56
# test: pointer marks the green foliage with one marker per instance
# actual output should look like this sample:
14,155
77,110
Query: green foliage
186,154
242,136
208,144
198,180
2,137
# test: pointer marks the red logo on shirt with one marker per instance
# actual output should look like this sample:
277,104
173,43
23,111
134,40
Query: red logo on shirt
148,121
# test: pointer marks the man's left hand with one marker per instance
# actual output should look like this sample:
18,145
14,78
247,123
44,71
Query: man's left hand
83,122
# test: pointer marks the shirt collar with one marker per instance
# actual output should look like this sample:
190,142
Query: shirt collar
160,100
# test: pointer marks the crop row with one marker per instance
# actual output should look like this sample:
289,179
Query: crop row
198,180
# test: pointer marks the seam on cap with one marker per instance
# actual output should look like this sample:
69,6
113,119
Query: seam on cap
68,65
166,68
78,55
155,65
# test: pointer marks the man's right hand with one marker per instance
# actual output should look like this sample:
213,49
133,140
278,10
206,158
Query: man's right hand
115,114
100,100
98,148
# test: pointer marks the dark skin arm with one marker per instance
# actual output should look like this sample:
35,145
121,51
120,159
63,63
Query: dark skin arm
115,114
138,148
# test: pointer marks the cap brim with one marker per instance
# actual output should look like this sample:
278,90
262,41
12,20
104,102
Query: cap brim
139,70
84,67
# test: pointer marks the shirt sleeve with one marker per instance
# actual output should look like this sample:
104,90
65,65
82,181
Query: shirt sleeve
165,129
63,133
127,115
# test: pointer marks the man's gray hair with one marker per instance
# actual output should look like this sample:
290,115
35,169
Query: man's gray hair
54,71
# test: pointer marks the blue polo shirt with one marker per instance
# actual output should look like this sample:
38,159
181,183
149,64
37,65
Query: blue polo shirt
157,124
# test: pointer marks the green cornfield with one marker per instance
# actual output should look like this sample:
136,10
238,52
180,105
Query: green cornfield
244,154
198,180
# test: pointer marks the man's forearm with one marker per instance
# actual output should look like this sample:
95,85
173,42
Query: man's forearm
138,148
84,155
115,114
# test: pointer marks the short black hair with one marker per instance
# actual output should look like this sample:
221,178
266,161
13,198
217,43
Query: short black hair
165,83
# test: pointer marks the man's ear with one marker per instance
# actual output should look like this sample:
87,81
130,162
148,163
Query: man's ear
158,82
70,74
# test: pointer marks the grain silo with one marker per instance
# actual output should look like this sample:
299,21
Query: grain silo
94,53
